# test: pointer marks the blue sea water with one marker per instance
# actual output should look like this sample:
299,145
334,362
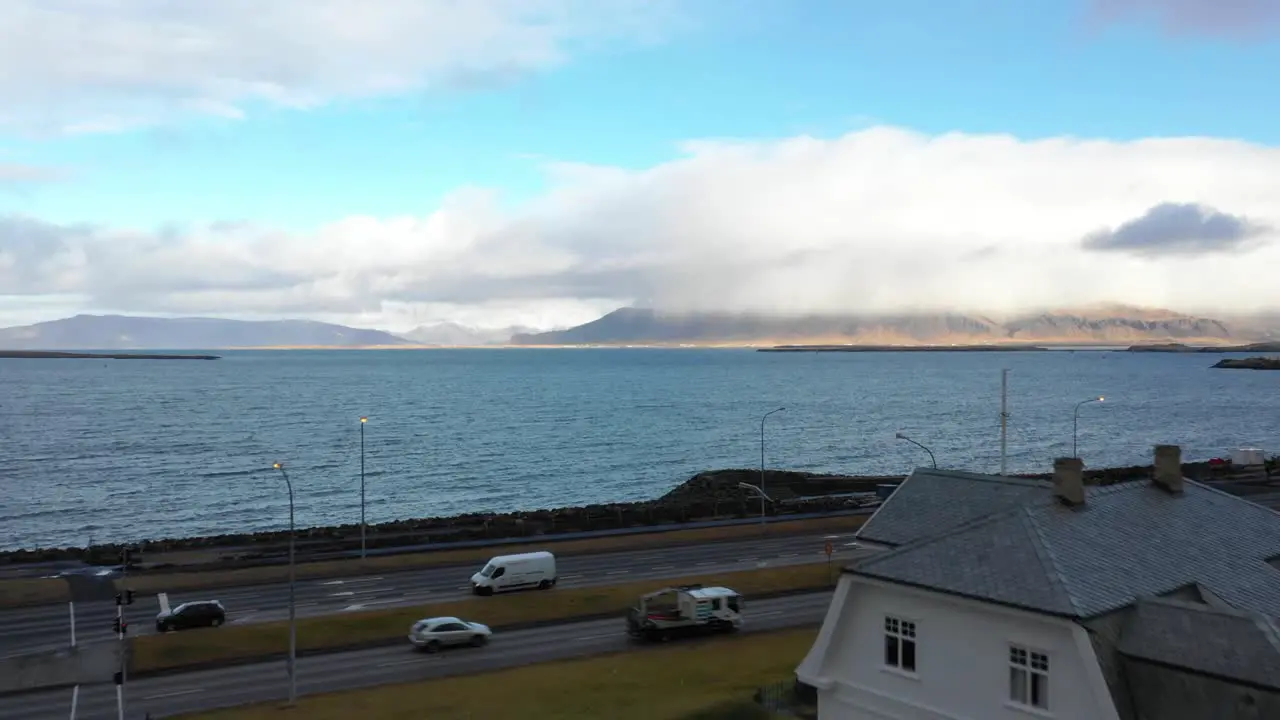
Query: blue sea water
98,451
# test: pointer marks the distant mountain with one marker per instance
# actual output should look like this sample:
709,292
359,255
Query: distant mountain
452,334
122,332
1112,324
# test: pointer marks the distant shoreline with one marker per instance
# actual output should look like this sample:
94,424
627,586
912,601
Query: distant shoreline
51,355
904,348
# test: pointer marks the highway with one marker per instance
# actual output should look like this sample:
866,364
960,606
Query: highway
209,689
46,627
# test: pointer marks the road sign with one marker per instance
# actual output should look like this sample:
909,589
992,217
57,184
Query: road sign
828,549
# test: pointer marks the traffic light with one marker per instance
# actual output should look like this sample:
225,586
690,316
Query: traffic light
119,627
124,599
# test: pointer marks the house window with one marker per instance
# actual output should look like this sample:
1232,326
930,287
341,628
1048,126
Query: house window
1028,677
899,644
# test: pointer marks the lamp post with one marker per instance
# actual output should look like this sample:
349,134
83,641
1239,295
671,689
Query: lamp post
363,420
934,460
293,618
763,497
760,492
1075,422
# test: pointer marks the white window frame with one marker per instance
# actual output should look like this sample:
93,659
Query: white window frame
1026,665
901,631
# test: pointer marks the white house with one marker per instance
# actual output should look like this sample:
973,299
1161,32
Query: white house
999,598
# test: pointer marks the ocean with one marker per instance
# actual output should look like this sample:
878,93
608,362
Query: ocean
106,451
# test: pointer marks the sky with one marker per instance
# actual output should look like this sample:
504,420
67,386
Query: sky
537,163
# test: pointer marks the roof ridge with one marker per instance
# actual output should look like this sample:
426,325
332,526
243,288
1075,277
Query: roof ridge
1048,559
940,535
1224,493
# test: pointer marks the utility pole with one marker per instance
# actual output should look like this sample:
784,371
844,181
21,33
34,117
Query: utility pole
363,420
75,691
1004,421
121,627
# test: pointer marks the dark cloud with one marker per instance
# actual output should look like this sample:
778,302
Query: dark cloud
1210,18
1178,229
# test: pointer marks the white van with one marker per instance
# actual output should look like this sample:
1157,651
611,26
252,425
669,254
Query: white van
512,572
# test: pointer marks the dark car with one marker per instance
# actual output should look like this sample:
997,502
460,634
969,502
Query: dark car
203,613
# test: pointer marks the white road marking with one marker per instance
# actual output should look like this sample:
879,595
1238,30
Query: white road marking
766,614
570,577
400,662
587,638
664,567
788,554
617,572
364,580
175,693
352,608
333,582
343,594
707,563
308,603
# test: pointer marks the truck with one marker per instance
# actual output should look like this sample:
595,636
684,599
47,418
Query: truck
685,610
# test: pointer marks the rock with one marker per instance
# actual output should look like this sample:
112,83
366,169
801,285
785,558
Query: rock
1253,363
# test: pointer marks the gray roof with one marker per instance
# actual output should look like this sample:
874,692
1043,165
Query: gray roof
928,502
1226,643
1127,541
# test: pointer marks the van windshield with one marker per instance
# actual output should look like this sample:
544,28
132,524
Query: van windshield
487,571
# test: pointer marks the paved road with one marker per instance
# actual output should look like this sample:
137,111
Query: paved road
28,629
209,689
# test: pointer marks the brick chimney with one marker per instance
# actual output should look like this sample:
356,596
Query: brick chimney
1068,480
1167,469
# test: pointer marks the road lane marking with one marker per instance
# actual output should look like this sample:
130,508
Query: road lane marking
664,567
788,554
587,638
364,580
706,563
616,572
766,614
333,582
343,594
175,693
570,577
400,662
352,608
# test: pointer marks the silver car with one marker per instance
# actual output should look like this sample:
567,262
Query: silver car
432,634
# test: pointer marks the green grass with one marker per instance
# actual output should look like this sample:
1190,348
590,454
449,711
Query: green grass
709,680
169,651
26,592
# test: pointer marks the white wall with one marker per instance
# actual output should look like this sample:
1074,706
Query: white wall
962,651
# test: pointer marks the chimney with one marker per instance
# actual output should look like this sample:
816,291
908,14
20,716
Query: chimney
1068,480
1167,470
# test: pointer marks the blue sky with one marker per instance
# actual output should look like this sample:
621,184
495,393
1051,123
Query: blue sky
758,69
390,163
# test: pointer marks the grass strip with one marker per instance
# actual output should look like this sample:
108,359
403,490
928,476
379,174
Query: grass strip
233,644
25,592
702,680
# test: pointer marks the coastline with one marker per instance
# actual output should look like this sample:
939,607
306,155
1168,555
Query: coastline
62,355
707,496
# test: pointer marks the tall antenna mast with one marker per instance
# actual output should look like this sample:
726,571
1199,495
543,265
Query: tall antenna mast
1004,421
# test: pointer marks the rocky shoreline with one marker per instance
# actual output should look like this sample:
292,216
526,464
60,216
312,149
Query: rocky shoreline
713,495
1253,363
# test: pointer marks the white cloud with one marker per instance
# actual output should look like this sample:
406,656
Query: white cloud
880,219
106,65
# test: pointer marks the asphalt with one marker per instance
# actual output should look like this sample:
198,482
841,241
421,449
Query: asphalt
47,627
211,689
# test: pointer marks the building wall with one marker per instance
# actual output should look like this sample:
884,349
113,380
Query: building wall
962,657
1162,693
1104,635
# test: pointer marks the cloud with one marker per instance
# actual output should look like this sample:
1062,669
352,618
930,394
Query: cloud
1179,229
876,220
106,65
21,175
1211,18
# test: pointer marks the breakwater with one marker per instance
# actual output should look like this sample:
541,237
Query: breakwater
713,495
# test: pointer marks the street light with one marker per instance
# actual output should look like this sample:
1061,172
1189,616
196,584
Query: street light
900,436
763,497
1075,422
363,420
293,619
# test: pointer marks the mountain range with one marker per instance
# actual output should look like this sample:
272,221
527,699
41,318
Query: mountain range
1100,325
